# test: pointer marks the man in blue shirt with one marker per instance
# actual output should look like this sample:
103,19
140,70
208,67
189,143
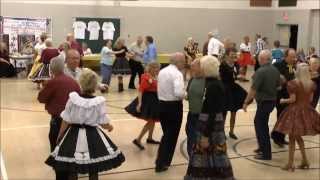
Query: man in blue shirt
150,53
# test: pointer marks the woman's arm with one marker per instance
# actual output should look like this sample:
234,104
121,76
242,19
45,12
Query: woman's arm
290,100
64,126
139,101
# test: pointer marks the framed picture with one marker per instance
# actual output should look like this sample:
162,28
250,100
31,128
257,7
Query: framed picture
25,43
5,38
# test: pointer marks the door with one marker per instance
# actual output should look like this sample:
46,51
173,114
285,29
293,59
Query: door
293,36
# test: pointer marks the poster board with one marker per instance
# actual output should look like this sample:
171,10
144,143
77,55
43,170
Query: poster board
96,45
28,27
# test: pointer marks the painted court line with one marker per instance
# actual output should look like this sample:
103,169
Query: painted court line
4,174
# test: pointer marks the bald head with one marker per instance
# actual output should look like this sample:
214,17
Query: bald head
178,59
70,37
264,57
139,40
210,35
72,59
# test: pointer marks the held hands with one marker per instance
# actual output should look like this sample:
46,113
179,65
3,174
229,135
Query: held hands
109,127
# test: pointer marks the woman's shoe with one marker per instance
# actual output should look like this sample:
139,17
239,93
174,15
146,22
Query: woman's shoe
289,168
135,142
233,136
120,87
151,141
304,165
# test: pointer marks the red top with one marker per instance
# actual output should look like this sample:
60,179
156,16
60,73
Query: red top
147,83
75,45
56,93
48,54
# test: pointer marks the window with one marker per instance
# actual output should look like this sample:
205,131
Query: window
283,3
261,3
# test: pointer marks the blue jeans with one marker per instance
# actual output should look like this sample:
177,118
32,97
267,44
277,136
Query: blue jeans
191,131
106,72
261,126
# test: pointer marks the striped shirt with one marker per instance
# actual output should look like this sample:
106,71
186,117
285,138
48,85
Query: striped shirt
260,45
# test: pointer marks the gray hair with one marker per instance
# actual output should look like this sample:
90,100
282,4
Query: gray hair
48,42
210,66
265,54
57,65
88,81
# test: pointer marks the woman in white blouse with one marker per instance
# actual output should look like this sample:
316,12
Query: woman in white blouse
83,147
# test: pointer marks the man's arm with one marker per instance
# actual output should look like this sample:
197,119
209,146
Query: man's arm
46,93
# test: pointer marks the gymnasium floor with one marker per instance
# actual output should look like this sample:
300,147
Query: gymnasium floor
25,145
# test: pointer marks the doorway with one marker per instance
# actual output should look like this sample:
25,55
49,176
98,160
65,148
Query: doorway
288,35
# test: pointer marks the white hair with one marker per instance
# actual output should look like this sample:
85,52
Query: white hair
57,65
210,66
304,76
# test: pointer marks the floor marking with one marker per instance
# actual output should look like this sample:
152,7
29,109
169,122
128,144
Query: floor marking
3,168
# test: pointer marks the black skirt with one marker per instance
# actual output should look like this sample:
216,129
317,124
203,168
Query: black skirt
149,107
121,66
85,149
235,97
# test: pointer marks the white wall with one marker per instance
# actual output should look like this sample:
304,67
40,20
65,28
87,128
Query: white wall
315,29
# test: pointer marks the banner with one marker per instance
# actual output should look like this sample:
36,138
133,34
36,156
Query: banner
22,26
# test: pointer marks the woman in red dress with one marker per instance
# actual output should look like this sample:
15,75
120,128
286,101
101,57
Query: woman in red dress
145,106
245,58
299,118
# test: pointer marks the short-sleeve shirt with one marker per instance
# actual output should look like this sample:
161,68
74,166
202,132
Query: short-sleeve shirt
49,53
93,28
106,56
266,80
79,29
85,111
245,48
108,30
148,84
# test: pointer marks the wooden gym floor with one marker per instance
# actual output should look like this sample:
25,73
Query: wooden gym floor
25,145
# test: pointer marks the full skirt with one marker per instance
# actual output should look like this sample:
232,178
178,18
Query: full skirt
121,66
149,107
37,65
299,120
42,74
235,97
85,149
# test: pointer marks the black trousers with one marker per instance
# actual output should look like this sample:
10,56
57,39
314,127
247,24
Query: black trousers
257,65
136,68
55,124
277,136
261,121
170,120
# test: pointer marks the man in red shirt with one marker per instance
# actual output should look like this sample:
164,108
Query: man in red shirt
55,95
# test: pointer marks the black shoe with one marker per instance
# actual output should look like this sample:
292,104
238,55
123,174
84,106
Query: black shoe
257,151
151,141
281,145
120,87
261,157
132,87
135,142
233,136
159,169
285,142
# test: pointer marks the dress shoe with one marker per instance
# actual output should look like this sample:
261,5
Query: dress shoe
135,142
281,145
151,141
261,157
233,136
160,169
132,87
257,151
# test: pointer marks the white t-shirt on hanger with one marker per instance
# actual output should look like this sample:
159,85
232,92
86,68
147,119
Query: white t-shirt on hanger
79,29
93,28
108,30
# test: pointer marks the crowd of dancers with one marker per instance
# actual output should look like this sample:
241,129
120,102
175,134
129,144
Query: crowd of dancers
283,79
